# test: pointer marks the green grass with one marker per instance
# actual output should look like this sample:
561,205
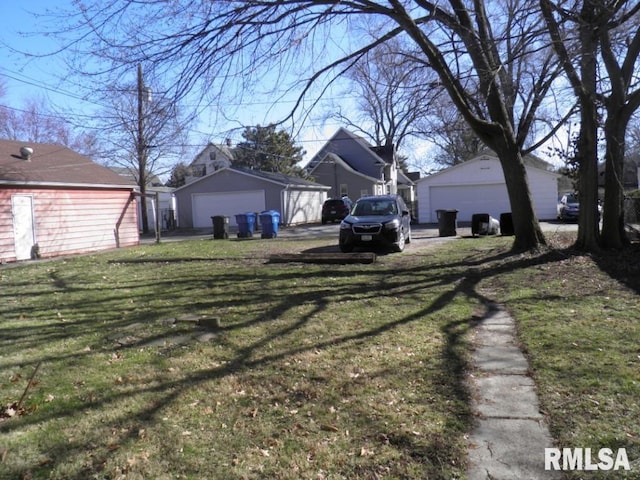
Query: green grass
317,371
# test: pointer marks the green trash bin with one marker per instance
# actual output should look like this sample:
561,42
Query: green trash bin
447,222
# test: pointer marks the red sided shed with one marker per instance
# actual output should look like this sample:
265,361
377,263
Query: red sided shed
54,202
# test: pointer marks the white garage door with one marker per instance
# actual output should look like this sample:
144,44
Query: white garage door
470,199
207,205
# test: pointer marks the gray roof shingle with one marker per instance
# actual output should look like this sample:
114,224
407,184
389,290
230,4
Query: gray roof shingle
52,164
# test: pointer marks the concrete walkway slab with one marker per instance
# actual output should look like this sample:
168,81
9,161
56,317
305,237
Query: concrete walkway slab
501,359
507,396
509,449
511,435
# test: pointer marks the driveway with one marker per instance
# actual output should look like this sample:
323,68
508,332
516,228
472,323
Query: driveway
418,231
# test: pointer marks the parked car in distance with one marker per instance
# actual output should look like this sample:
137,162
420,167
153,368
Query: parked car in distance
382,220
568,207
335,209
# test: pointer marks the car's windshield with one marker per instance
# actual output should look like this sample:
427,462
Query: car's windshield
365,208
571,199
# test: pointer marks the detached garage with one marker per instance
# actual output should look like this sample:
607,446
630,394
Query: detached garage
478,186
232,190
54,201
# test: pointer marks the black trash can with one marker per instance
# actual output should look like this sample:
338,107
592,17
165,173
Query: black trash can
479,224
506,224
447,222
220,227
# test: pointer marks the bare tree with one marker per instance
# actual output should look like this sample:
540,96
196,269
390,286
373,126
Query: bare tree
143,132
394,95
620,43
479,53
35,121
580,31
451,134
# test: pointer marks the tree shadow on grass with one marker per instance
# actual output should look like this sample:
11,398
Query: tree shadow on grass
451,280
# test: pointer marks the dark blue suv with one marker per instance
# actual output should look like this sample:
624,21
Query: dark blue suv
382,220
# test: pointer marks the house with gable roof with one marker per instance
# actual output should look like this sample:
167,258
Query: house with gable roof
352,167
212,157
54,202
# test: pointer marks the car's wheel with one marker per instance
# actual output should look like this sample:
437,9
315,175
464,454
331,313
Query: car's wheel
346,247
408,238
399,247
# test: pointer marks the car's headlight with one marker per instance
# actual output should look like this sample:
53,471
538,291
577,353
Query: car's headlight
393,224
345,225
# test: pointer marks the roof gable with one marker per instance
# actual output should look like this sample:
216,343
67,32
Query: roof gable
214,153
353,150
488,156
52,164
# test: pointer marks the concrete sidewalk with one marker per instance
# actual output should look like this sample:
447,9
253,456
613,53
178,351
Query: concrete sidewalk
509,439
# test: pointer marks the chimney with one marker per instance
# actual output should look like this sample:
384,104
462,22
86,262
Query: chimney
26,153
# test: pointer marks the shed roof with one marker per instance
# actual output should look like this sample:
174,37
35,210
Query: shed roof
273,177
52,164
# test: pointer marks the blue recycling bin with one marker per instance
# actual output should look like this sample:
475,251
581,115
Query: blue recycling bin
269,220
246,224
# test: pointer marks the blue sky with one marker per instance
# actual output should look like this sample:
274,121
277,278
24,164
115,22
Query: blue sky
37,77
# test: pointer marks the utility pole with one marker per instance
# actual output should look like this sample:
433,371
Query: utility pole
141,148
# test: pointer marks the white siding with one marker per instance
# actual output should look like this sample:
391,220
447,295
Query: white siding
469,200
300,206
478,186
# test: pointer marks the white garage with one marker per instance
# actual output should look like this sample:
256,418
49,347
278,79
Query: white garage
478,186
229,191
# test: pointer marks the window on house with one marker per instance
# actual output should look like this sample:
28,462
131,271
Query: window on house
344,189
364,193
198,170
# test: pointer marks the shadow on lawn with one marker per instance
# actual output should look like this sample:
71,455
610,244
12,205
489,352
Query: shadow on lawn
454,279
623,266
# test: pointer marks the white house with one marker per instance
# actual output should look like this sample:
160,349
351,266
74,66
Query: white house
478,186
213,157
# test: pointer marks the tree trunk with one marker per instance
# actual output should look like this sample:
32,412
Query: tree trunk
613,233
588,233
588,227
528,234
